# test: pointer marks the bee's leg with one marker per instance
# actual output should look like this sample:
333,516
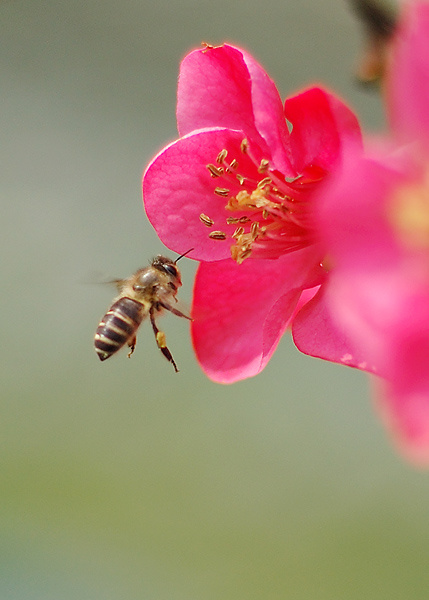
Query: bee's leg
173,310
161,341
132,344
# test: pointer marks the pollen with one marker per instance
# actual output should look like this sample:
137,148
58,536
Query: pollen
206,47
256,199
272,216
235,220
215,171
264,183
242,248
217,235
409,214
264,165
221,191
161,340
222,156
206,220
240,253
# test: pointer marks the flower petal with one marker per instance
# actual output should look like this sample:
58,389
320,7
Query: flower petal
406,416
363,284
379,285
178,187
321,125
371,278
241,311
226,87
404,400
352,211
316,333
408,81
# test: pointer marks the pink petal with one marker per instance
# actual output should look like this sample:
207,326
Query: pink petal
406,416
391,313
306,296
404,400
226,87
408,81
362,295
241,311
378,291
366,306
177,188
269,117
316,332
371,276
352,212
321,125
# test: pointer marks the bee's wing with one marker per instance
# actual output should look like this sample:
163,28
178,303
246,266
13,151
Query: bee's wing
119,283
97,278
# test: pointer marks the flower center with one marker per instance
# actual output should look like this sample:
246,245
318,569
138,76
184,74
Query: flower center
271,212
409,213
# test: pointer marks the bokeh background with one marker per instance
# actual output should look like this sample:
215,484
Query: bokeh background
123,479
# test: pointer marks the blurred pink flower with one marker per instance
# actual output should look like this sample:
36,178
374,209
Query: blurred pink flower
238,187
375,221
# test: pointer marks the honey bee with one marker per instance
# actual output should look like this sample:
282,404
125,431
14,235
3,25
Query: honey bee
149,292
379,23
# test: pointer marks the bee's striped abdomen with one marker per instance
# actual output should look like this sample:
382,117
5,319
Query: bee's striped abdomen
117,326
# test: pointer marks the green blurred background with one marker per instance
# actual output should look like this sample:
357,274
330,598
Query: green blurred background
123,479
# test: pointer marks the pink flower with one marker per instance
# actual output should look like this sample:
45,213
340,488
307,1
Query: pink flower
238,187
375,221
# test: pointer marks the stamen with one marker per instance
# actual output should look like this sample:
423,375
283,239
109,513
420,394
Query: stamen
234,253
242,249
206,220
238,232
239,254
221,191
244,254
240,201
217,235
221,156
278,215
408,212
235,220
264,165
206,47
264,182
215,171
254,229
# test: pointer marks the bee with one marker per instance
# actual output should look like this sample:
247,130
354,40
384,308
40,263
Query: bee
379,23
149,292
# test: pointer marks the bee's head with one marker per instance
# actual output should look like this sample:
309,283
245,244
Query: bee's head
166,265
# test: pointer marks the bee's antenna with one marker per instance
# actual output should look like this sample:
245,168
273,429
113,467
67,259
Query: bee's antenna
182,255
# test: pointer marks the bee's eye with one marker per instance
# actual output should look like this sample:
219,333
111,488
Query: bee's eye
137,287
170,269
